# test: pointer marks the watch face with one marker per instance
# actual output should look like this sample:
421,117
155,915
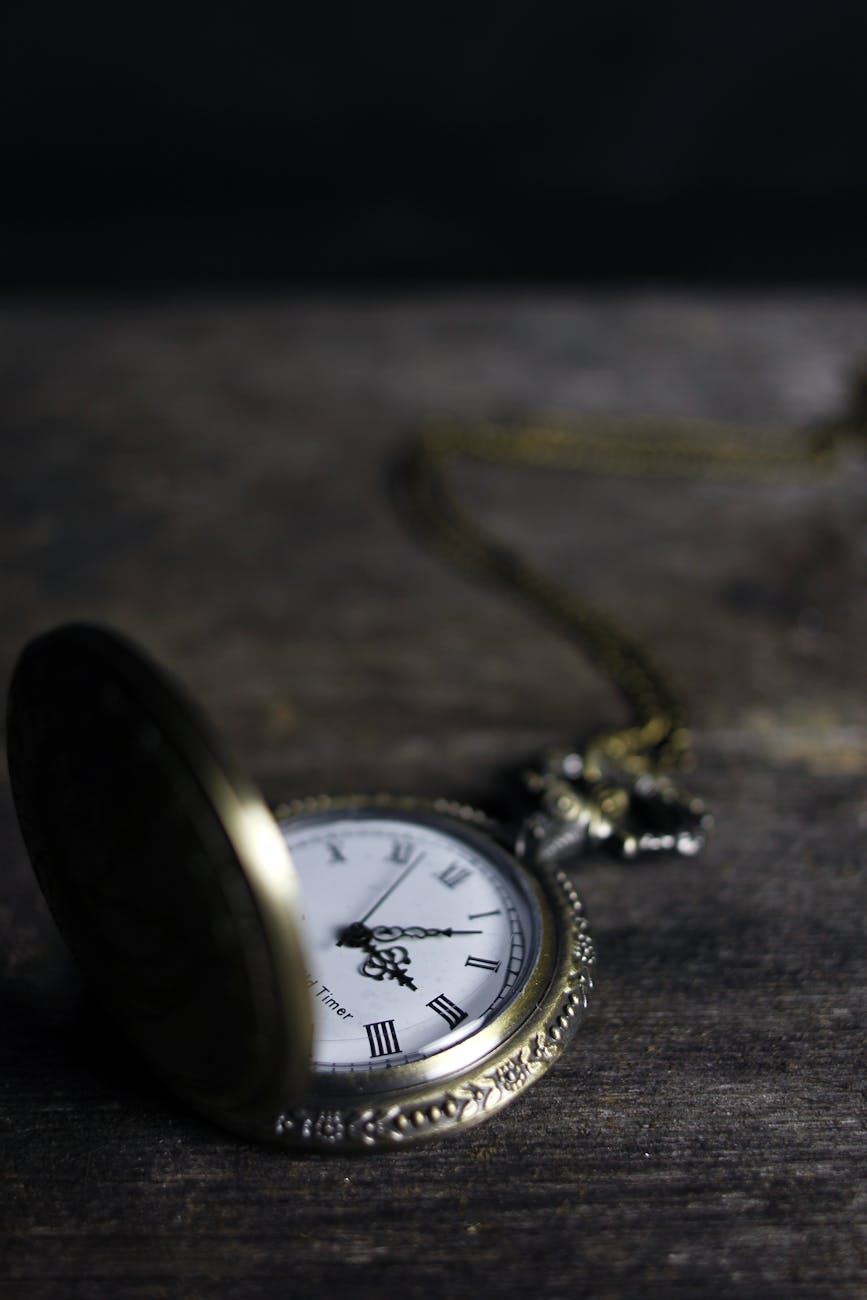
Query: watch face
419,936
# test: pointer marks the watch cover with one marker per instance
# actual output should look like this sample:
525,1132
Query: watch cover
165,872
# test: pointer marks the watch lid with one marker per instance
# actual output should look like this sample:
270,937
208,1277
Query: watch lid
165,872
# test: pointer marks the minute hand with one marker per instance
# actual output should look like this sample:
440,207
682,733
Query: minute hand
359,935
386,933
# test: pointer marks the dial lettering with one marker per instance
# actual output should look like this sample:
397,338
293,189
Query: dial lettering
335,853
450,1011
401,851
483,963
382,1038
453,874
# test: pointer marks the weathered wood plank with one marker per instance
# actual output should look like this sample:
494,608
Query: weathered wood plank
210,478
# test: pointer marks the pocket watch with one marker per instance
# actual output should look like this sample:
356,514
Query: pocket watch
346,973
350,973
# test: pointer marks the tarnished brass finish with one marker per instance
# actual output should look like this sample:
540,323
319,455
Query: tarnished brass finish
165,872
170,881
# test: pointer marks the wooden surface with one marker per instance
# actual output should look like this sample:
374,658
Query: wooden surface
209,477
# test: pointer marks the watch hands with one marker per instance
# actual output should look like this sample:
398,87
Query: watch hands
388,963
380,963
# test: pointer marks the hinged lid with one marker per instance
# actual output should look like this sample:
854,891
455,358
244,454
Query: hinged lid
165,871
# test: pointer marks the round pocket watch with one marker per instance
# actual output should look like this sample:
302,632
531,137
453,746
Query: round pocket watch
350,973
353,973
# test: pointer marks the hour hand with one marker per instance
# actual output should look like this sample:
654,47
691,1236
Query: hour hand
379,963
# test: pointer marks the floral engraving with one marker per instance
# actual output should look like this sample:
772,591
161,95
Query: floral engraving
328,1127
512,1074
540,1049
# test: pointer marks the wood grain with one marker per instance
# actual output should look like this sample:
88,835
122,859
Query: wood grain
209,477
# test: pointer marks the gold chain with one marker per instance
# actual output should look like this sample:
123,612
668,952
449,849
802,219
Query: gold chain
657,739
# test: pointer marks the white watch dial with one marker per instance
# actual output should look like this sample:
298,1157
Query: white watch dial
417,937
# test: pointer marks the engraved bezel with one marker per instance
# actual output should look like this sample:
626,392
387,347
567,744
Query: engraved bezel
465,1083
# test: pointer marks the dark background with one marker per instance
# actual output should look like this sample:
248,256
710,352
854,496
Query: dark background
319,143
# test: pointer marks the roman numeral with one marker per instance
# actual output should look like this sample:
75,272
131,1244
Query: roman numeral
483,963
401,851
477,916
453,875
335,853
450,1013
382,1038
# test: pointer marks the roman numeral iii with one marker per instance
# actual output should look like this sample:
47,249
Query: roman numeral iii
450,1012
483,963
382,1038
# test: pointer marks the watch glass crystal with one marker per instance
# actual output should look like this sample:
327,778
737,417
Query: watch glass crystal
418,935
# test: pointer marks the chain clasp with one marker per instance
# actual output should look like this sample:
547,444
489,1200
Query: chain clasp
579,806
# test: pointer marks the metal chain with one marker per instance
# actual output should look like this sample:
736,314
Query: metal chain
615,787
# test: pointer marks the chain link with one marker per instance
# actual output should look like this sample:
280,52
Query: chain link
617,786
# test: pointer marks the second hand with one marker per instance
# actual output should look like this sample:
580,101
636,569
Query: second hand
401,878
